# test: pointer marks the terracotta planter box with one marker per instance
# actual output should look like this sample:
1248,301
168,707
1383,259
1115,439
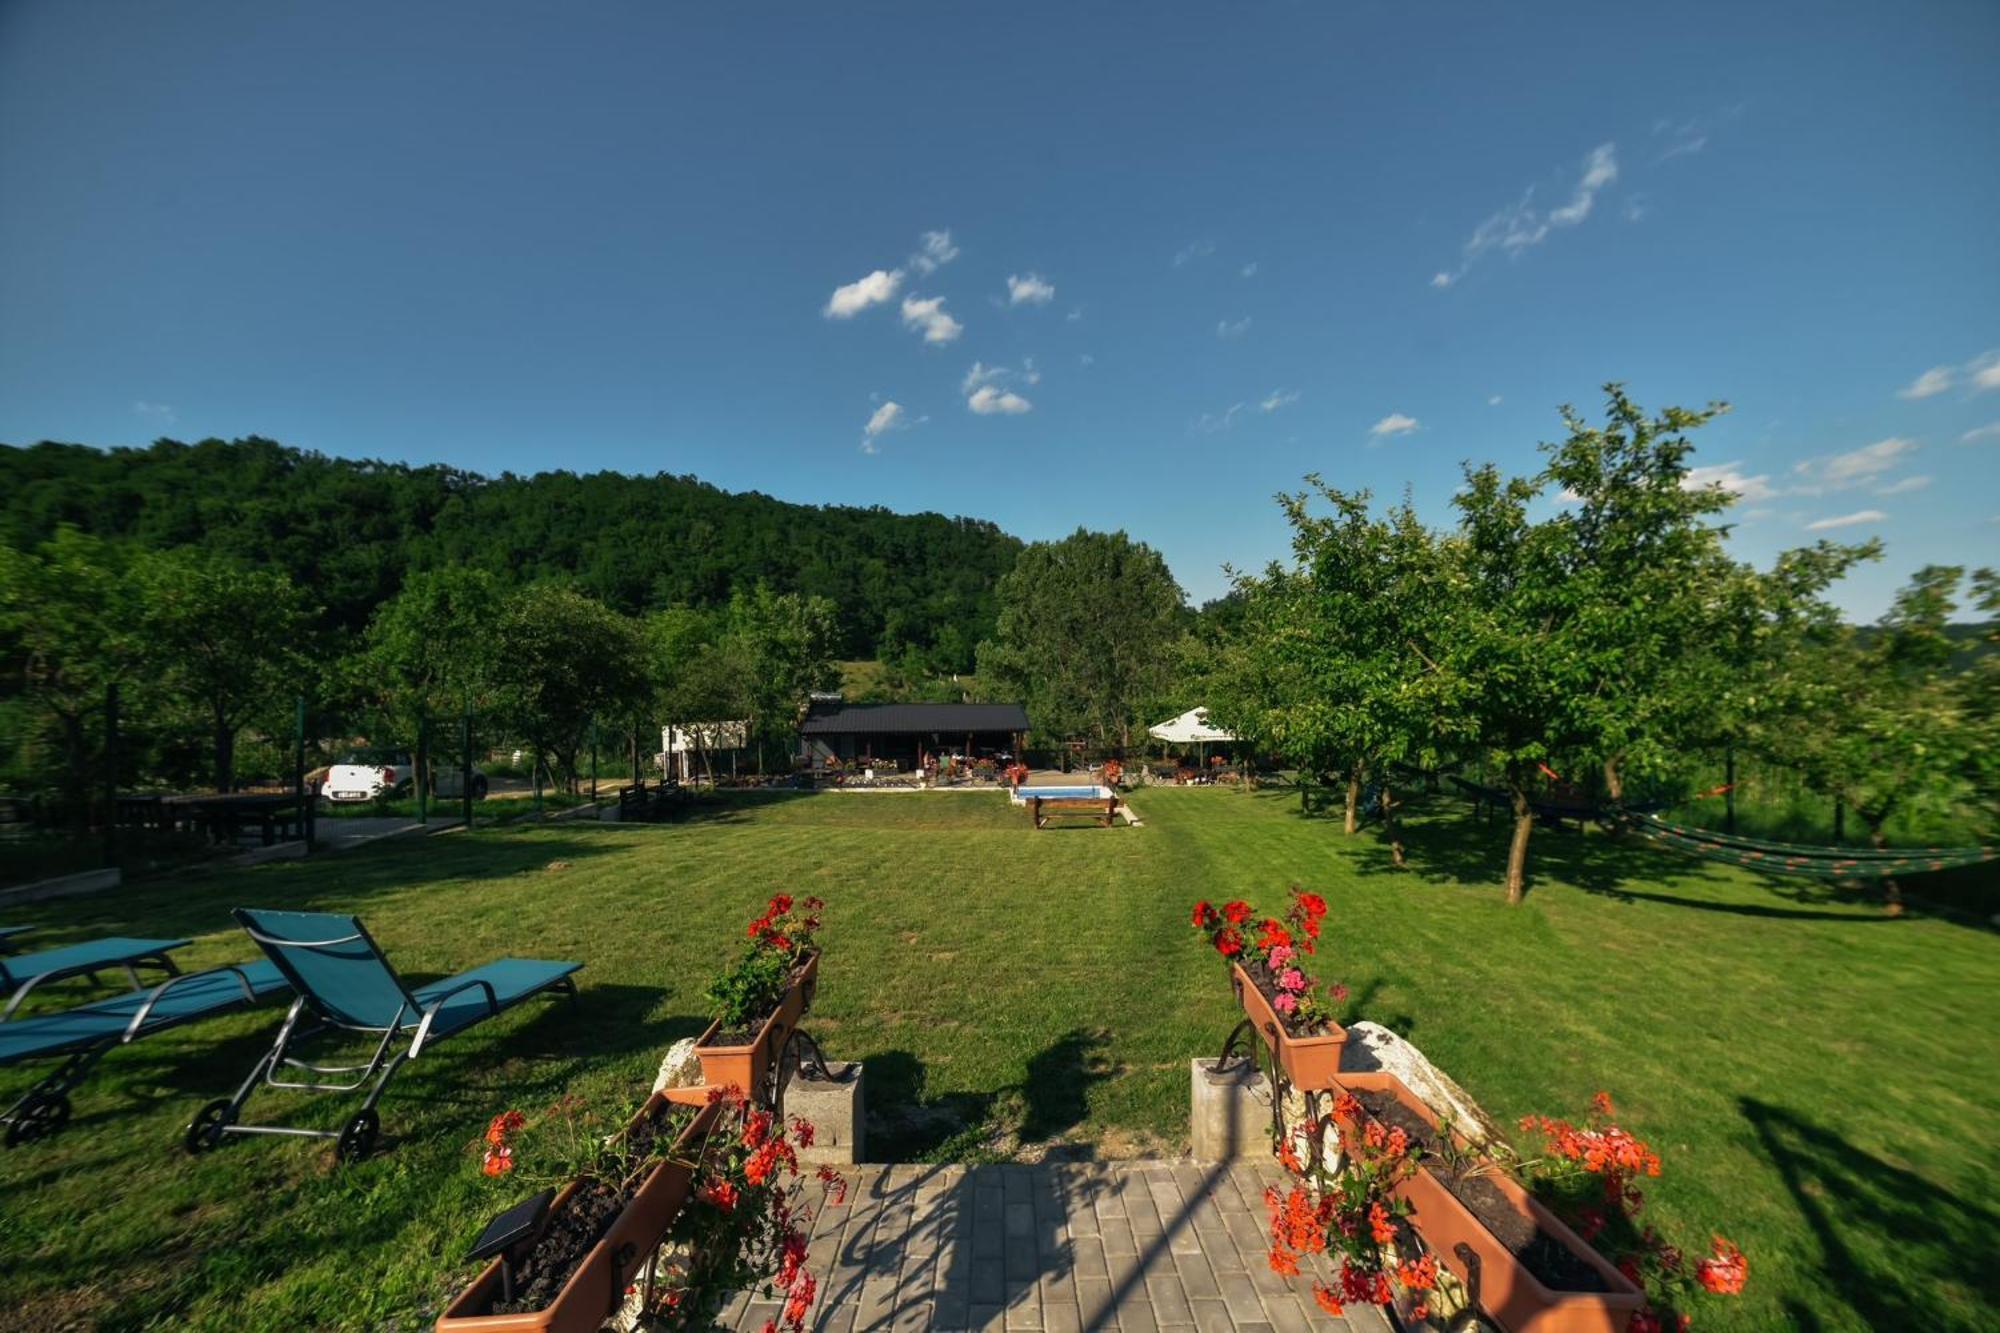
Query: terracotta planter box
1507,1290
745,1066
1311,1063
596,1287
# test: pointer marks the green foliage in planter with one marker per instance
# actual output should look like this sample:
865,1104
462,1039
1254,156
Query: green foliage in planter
751,989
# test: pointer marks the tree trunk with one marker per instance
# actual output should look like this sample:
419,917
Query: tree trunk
1353,798
1892,892
1614,784
225,754
1389,828
1517,851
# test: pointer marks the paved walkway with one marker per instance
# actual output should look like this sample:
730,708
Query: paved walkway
1057,1247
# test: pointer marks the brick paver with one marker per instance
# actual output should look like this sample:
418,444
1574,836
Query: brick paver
1053,1248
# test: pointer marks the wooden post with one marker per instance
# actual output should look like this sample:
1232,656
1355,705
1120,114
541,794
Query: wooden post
308,805
110,773
1729,793
423,781
465,763
593,761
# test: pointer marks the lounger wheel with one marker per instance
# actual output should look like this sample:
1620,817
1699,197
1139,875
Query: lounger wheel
205,1131
40,1116
358,1139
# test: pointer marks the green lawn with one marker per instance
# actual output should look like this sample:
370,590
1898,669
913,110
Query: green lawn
1820,1080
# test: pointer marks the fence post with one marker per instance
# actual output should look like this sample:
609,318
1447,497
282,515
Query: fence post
308,804
465,763
593,761
423,765
111,773
536,773
1729,792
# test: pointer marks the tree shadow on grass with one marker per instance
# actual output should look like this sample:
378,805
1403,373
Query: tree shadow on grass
1449,847
906,1124
1898,1250
1446,846
199,903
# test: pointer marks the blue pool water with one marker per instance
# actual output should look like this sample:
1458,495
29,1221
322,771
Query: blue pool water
1020,797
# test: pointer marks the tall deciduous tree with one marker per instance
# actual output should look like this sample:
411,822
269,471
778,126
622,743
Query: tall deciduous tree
68,628
785,644
430,650
1641,579
1341,647
227,639
1897,729
561,659
1086,634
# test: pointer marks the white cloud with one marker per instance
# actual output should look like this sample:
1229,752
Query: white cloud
1985,371
890,416
868,446
1839,471
1973,436
1731,478
1981,373
855,297
1086,359
928,315
1521,226
1250,269
937,251
1029,289
1279,398
158,413
1232,328
1192,251
982,374
988,401
1846,520
1933,381
1494,401
1904,485
1075,315
1208,423
1393,424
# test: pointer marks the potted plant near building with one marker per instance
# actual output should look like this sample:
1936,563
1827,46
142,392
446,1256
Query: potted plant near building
757,1002
1282,1005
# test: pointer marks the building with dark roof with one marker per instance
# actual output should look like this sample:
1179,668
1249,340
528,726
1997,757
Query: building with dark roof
909,733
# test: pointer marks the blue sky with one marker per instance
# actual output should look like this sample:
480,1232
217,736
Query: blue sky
1137,265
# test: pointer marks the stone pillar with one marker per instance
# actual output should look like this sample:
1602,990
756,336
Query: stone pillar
836,1110
1230,1115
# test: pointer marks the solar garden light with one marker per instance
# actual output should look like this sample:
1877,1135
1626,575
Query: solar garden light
513,1229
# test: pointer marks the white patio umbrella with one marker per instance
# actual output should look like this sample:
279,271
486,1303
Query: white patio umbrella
1190,728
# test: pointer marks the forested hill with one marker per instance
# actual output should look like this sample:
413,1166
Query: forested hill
349,531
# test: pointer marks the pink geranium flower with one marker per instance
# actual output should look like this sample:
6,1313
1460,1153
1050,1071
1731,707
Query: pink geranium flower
1280,956
1293,980
1285,1004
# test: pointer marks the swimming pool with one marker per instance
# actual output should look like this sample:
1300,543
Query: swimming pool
1020,795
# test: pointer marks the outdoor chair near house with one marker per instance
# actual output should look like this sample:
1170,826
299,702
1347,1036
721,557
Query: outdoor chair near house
346,986
82,1036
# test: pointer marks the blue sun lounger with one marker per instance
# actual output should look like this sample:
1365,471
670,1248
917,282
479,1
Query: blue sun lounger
80,1037
21,973
346,985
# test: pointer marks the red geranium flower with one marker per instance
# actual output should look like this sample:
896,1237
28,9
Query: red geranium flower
1237,912
1725,1273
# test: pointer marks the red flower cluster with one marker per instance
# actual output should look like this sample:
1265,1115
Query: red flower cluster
1607,1160
779,929
1277,945
498,1159
1726,1272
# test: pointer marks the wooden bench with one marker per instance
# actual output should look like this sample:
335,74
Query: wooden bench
1045,808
